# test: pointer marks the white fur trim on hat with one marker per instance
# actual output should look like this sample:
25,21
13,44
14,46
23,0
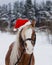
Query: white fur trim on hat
27,23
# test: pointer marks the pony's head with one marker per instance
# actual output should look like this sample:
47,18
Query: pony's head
28,37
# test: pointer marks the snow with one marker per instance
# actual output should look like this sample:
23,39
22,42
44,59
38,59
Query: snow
42,49
3,18
5,40
45,12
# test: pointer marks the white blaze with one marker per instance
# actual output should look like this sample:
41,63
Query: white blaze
28,34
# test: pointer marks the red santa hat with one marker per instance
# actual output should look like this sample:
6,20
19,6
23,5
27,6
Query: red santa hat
21,23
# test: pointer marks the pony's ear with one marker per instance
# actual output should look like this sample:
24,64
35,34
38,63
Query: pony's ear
33,23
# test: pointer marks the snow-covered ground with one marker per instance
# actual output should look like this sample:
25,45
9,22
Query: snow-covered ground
42,49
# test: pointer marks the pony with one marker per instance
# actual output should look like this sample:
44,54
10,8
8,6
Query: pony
21,51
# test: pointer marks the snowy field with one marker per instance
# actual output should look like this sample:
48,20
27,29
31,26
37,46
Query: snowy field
42,49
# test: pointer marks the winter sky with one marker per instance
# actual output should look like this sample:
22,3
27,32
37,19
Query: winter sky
12,1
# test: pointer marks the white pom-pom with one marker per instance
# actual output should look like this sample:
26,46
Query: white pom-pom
14,29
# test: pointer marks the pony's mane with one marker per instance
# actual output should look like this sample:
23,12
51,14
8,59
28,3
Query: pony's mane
14,53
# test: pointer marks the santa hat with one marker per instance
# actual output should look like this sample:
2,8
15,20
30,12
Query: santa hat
21,23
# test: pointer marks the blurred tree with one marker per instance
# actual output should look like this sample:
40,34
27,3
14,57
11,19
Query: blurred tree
0,12
4,9
21,8
29,10
48,5
16,9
